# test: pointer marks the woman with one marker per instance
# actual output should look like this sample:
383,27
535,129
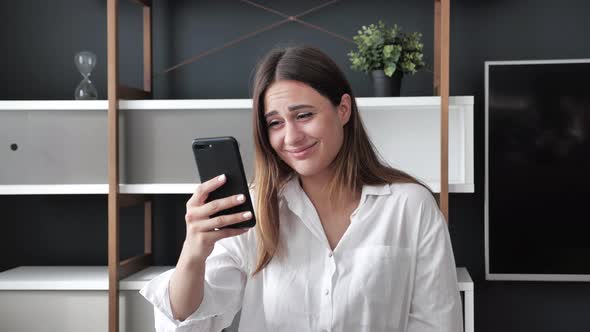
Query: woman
342,242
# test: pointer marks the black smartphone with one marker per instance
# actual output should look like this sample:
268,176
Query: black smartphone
221,155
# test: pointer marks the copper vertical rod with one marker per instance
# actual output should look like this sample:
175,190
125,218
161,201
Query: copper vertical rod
147,227
113,162
147,49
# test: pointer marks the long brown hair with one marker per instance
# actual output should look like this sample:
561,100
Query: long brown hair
355,165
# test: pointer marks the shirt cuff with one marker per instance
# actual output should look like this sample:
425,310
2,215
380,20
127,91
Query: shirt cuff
157,292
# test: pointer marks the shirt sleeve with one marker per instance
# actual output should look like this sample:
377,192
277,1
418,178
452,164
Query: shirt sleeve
226,272
436,302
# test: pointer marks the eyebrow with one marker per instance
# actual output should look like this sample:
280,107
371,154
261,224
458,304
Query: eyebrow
291,108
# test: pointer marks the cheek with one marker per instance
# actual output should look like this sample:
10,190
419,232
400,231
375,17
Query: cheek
319,127
331,131
275,140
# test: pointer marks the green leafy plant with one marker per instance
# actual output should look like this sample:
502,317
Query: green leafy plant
382,48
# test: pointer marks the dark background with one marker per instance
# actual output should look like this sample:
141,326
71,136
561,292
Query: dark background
40,38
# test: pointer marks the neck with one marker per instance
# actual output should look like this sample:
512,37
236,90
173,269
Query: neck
315,187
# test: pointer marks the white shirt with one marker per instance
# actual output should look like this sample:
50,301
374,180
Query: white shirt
392,270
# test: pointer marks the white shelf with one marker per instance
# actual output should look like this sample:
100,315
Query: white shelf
72,278
379,103
55,278
138,280
464,279
209,104
96,278
158,188
405,131
369,103
53,105
93,189
152,188
189,188
54,189
186,104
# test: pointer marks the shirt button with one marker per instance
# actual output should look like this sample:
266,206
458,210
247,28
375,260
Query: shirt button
326,292
330,254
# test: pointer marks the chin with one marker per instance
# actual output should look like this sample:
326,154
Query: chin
306,169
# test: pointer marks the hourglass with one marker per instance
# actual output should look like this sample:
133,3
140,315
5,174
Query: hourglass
85,62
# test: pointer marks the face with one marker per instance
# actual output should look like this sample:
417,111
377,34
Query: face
304,128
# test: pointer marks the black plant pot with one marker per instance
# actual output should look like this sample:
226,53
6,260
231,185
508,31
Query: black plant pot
385,86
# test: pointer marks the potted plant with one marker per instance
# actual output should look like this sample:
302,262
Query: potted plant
388,54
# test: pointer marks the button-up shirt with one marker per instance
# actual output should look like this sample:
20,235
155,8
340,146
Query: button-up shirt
392,270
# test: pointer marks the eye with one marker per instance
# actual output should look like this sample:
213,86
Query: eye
304,115
273,123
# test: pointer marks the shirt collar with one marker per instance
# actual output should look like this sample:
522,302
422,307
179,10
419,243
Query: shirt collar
299,203
292,192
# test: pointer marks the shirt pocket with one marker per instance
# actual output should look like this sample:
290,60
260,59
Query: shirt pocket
380,286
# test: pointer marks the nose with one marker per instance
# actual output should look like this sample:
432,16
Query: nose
293,134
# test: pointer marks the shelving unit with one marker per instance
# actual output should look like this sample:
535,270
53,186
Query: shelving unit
416,118
121,164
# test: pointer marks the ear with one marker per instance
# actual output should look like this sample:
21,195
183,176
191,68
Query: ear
344,109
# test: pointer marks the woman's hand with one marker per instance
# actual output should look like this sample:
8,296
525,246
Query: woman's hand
202,231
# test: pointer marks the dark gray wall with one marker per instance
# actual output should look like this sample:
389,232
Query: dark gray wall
39,40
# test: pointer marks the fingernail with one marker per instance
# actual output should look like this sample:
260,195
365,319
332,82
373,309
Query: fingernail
248,215
241,198
221,178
